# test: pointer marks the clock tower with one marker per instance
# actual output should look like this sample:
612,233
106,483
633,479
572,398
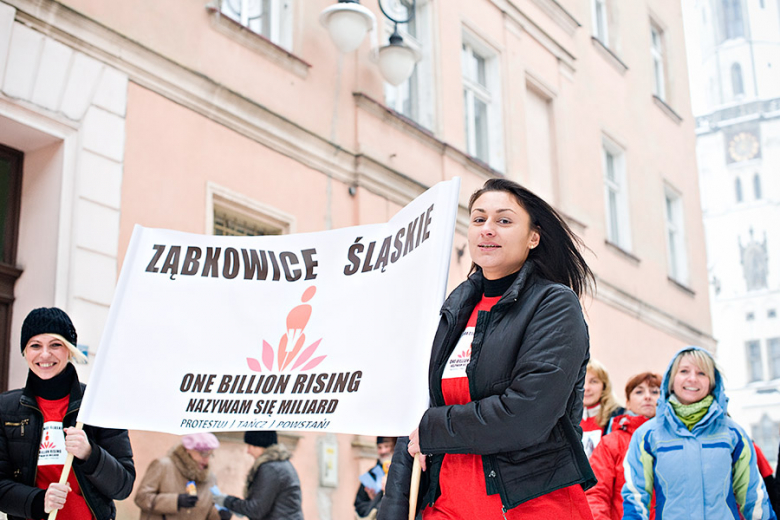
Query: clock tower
734,62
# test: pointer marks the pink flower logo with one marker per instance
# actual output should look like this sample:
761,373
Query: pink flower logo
465,354
291,343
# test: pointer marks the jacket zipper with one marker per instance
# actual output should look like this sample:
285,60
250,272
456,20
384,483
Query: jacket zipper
37,443
441,361
22,423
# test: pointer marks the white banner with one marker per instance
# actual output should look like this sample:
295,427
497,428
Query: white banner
327,331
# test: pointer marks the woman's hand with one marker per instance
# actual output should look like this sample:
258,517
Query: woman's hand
414,448
76,442
55,497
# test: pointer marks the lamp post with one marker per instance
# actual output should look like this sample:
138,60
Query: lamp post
348,22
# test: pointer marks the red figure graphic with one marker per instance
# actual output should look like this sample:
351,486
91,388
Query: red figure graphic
291,342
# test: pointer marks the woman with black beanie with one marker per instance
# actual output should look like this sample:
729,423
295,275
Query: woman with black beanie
273,491
38,433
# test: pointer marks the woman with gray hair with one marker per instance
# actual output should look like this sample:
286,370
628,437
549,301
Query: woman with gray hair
178,485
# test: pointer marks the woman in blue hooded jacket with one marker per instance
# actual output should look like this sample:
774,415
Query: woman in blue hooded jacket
700,463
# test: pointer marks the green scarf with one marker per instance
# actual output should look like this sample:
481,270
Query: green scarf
691,414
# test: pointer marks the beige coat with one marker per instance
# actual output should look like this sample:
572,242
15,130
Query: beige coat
165,479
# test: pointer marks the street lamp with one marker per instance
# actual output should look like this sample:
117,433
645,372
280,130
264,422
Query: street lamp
348,21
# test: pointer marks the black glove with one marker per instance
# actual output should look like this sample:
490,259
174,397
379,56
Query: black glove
224,514
186,500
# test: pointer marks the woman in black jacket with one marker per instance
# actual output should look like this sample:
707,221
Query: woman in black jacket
273,491
38,433
501,439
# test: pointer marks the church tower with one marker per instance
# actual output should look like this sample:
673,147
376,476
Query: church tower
737,104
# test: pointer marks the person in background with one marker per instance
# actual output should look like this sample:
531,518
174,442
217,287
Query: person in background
178,485
370,493
699,462
599,406
606,502
765,469
38,433
272,491
500,440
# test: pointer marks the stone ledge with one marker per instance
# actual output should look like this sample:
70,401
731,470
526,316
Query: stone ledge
666,109
609,55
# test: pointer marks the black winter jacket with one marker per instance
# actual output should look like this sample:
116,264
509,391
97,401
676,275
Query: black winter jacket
273,488
107,475
528,361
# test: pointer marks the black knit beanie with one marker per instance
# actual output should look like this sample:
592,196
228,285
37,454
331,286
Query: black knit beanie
261,439
48,320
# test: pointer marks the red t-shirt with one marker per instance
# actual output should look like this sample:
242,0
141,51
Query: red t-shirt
51,458
462,478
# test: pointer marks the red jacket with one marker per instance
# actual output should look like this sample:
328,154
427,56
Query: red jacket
606,502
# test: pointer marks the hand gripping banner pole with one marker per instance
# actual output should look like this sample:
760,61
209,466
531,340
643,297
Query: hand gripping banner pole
66,471
415,486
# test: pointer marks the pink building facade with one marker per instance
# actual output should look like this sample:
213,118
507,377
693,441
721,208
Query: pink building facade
190,116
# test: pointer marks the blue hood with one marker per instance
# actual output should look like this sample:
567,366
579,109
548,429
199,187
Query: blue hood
718,392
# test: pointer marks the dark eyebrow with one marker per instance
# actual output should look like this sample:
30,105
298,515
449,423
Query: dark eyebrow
502,210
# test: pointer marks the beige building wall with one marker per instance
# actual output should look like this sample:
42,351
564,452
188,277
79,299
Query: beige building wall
184,110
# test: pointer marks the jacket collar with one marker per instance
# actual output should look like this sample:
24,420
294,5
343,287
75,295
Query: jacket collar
470,292
28,398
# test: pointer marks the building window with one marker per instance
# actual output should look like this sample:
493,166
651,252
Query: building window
540,143
737,87
755,365
675,237
730,14
738,189
600,21
237,224
765,435
773,350
771,313
234,214
731,19
481,103
657,53
750,316
268,18
413,98
616,196
757,186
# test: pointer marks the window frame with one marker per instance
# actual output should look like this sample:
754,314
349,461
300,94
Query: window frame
421,83
737,80
657,49
773,357
488,93
620,237
600,17
219,197
676,253
752,376
279,23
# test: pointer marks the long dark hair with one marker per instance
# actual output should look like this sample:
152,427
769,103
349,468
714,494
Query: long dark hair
557,257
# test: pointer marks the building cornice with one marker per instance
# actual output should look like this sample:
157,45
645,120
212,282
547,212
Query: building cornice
724,117
651,315
515,15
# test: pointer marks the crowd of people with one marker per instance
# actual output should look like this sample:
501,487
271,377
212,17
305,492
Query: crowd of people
527,428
